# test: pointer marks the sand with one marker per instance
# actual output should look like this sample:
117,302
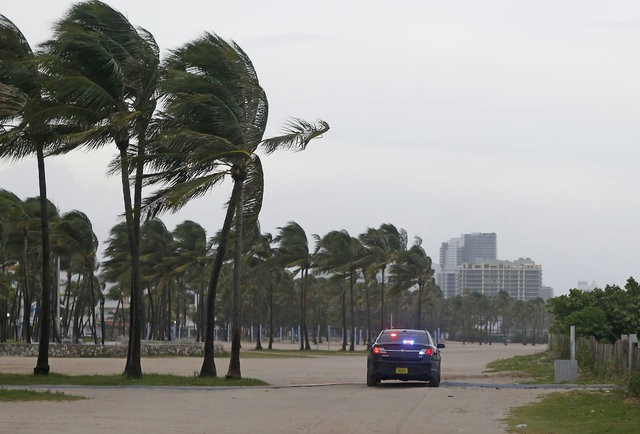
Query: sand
312,395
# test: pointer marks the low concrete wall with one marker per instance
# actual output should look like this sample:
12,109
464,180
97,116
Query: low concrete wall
181,349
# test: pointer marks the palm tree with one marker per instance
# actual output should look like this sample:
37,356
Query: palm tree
383,247
293,252
21,81
105,72
116,263
411,269
73,236
191,248
15,223
338,252
216,115
158,256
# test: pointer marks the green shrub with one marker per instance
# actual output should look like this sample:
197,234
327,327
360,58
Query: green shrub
634,384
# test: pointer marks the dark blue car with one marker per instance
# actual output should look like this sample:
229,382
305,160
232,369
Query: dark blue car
404,354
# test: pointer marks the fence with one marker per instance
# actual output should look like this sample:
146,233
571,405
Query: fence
608,361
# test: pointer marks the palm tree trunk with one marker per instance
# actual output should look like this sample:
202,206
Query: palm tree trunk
93,307
208,368
301,309
152,315
234,361
26,312
133,367
343,314
304,312
368,309
270,308
382,302
353,327
169,312
42,365
420,287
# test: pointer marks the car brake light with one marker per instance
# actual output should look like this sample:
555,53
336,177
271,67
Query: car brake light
426,352
378,350
393,335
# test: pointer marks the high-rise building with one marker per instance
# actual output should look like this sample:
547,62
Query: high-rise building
465,249
479,246
546,293
521,279
450,260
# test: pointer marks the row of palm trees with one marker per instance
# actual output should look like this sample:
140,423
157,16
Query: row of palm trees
73,245
336,278
181,126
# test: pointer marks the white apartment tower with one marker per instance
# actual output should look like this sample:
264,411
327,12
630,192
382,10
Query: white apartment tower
467,248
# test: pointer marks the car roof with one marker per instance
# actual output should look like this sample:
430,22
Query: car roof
415,331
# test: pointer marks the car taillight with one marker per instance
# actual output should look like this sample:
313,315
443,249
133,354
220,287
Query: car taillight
426,352
378,350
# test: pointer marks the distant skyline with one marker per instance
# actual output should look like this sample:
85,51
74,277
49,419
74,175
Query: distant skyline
519,118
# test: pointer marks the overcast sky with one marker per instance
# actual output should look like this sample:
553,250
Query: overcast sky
447,117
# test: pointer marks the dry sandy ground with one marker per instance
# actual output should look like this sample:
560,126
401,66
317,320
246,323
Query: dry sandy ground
309,395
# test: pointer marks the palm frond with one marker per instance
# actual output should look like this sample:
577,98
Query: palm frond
12,102
175,197
253,192
297,135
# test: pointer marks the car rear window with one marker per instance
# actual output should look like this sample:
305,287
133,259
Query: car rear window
400,337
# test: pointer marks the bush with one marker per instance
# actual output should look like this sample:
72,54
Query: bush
634,384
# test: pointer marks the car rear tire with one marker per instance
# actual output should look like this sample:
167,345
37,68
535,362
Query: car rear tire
371,380
435,382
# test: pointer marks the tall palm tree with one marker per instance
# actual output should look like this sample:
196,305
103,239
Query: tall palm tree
412,269
340,253
158,256
191,248
22,80
73,235
383,247
293,252
216,115
15,224
105,72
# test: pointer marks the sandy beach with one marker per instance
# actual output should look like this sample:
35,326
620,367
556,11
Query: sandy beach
325,394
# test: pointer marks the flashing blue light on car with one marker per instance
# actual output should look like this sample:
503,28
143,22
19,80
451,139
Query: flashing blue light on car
408,341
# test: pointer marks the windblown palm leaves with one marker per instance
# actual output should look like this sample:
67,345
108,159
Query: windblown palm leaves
338,252
383,245
215,119
21,101
412,268
293,252
104,72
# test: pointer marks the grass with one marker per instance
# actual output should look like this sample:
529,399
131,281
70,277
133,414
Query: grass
12,395
577,411
120,380
538,368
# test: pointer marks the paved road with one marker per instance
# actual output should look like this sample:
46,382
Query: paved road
308,395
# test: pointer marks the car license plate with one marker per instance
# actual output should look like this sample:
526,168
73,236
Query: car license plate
402,370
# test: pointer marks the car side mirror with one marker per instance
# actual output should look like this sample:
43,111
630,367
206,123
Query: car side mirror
440,345
369,345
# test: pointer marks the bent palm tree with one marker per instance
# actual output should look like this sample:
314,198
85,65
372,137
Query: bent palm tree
383,246
216,115
293,252
412,268
106,71
21,99
338,252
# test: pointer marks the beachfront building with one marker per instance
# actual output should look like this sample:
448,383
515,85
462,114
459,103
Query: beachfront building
521,279
467,248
